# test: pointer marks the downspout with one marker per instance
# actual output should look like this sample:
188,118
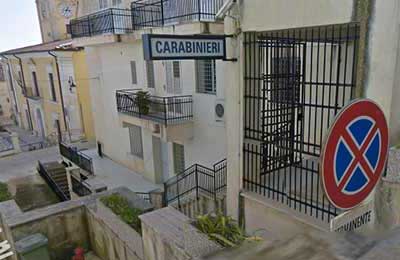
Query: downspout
61,94
24,92
11,82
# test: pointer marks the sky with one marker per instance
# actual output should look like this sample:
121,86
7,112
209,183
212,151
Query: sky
19,24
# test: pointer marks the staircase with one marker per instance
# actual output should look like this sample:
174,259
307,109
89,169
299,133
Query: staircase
198,190
55,175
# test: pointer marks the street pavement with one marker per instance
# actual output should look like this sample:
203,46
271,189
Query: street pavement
24,164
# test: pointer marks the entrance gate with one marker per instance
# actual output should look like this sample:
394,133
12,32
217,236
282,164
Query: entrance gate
296,81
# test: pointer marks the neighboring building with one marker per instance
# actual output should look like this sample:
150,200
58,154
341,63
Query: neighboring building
299,63
51,95
6,109
180,128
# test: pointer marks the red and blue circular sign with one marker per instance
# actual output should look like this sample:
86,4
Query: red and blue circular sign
354,154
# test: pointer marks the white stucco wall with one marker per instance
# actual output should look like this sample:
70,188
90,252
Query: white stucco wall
262,15
110,71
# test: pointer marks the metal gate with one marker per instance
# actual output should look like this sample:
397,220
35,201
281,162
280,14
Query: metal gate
296,81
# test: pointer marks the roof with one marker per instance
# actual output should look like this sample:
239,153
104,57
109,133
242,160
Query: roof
63,45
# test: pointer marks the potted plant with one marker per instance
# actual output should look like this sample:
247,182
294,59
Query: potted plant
143,102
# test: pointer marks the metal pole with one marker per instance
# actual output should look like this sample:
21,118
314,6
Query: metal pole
197,182
162,12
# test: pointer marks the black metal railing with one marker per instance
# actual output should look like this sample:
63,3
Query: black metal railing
112,20
164,110
196,180
79,187
157,13
81,160
52,184
295,82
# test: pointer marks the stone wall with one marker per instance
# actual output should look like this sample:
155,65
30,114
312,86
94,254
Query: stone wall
169,235
65,230
110,237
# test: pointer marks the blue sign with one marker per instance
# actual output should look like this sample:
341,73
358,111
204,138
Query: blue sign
175,47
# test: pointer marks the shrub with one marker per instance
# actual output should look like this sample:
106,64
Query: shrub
120,206
4,193
143,102
221,229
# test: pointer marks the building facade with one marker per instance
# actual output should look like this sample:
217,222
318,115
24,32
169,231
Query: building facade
179,127
6,108
297,67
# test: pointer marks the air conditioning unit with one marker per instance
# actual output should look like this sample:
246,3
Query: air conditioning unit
219,110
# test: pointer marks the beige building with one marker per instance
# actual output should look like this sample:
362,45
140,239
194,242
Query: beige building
6,108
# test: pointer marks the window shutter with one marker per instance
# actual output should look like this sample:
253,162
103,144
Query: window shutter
150,74
206,76
136,142
133,72
179,158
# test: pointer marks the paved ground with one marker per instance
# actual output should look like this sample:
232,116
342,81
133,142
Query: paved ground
115,175
5,143
24,164
26,138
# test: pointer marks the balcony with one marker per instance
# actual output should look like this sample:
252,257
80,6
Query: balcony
158,13
108,21
163,110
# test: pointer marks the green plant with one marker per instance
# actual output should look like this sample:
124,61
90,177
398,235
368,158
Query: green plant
4,192
120,206
143,101
221,229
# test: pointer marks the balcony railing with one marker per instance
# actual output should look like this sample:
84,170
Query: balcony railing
156,13
78,158
112,20
164,110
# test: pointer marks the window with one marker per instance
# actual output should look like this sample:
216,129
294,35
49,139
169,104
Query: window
1,110
136,142
52,87
35,83
2,75
176,69
116,2
103,4
150,74
206,76
20,78
173,73
133,72
179,158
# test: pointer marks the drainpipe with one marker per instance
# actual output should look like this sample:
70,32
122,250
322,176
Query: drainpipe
24,91
11,82
61,93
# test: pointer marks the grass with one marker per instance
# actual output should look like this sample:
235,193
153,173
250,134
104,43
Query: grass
120,206
4,192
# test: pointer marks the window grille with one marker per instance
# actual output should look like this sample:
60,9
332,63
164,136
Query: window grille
206,76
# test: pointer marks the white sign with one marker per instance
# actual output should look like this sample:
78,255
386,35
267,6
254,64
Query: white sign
173,47
354,218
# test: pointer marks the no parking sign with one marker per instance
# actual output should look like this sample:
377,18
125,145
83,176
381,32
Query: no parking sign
354,154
